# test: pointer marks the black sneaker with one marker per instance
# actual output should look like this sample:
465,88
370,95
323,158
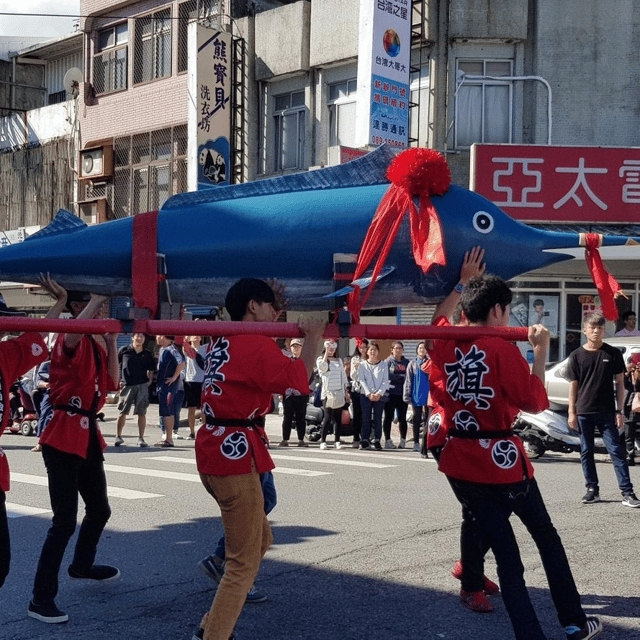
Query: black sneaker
47,613
101,572
591,496
592,627
212,567
377,445
364,444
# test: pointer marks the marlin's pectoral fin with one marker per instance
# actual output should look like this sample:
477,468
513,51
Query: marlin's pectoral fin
363,282
64,222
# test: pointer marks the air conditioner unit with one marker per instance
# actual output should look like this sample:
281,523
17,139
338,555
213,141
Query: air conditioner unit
96,163
93,211
333,156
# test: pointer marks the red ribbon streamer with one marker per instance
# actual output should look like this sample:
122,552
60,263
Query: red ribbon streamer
606,284
415,172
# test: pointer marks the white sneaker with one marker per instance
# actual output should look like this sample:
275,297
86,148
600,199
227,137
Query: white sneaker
142,443
403,443
177,436
338,445
118,441
389,444
323,445
416,446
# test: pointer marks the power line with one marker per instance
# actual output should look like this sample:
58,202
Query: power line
41,15
67,15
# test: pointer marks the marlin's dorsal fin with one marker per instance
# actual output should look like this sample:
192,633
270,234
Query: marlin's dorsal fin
64,222
368,170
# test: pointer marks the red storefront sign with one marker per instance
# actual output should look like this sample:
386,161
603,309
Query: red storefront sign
559,184
348,153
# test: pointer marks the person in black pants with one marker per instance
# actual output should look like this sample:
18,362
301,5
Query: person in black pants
294,406
81,375
631,418
359,356
397,364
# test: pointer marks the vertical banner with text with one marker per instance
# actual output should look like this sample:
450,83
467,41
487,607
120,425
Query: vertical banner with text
210,109
384,60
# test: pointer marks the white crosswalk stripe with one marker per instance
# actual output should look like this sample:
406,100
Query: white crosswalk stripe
19,510
284,470
311,458
334,460
114,492
153,473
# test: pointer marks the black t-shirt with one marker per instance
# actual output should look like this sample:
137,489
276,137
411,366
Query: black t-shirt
595,372
134,366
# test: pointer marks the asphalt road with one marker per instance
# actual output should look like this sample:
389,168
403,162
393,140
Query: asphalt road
364,546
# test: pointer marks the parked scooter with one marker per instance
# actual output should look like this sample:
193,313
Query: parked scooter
549,431
24,418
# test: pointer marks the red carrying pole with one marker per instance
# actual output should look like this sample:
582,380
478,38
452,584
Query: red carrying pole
59,325
271,329
291,330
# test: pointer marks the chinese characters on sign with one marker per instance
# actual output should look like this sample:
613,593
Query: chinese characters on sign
213,100
389,114
12,237
559,184
213,106
400,8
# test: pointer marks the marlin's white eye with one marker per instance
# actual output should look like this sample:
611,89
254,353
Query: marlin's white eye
483,222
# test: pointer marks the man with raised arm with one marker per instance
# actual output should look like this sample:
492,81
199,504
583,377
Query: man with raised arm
81,375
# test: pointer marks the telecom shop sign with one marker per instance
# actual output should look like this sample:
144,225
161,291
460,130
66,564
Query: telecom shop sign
390,66
559,183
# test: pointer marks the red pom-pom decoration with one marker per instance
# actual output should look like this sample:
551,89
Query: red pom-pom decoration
421,172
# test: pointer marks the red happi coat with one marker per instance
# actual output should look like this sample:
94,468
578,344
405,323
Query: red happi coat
17,356
482,385
76,377
241,373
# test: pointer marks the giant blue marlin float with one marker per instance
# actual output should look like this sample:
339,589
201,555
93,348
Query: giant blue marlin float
291,228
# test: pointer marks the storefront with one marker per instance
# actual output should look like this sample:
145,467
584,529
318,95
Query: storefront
560,296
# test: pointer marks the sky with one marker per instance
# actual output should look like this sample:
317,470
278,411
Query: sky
42,26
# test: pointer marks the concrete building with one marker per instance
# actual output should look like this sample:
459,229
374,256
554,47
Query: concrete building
523,72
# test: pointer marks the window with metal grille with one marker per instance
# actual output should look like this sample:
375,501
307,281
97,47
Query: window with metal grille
152,47
57,97
342,113
110,61
289,115
419,114
204,11
149,168
484,103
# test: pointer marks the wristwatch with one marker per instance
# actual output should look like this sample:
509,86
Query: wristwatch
459,288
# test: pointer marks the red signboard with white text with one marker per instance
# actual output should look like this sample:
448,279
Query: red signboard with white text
559,184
